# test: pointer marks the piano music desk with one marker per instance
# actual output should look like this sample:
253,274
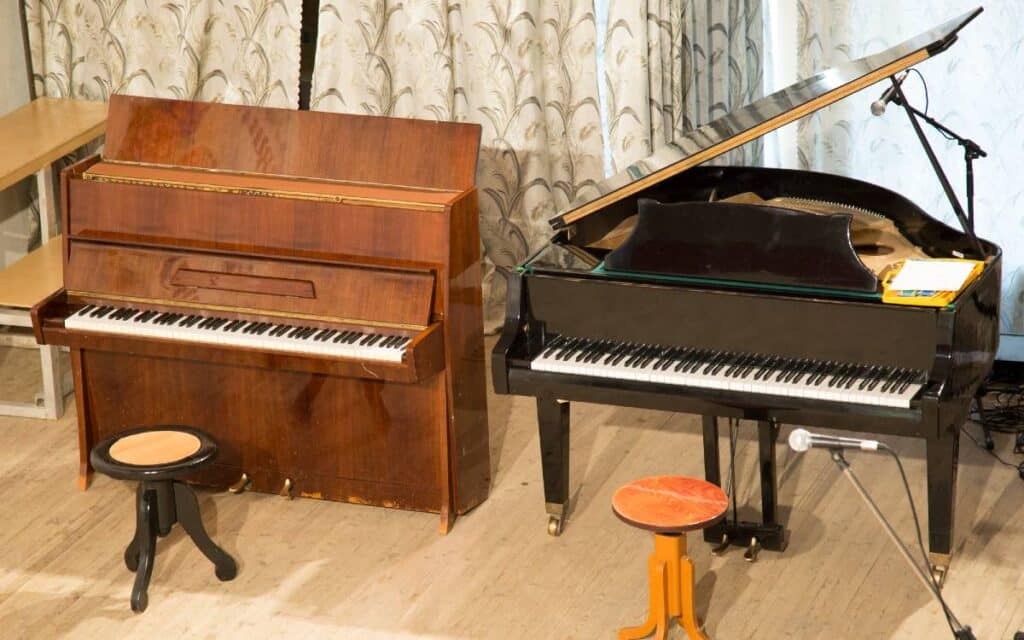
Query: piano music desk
33,137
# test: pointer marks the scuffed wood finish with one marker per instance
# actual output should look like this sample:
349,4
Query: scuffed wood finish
263,214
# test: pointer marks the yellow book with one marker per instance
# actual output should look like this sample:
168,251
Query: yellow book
934,282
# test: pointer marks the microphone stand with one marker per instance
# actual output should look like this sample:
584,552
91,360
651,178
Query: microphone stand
960,632
971,153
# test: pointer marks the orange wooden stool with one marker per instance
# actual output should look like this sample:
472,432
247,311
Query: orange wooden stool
669,506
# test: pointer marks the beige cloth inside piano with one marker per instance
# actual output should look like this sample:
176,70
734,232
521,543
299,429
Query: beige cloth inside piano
877,241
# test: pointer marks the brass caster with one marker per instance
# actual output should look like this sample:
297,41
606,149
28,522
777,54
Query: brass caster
939,574
720,548
286,489
750,555
245,482
554,526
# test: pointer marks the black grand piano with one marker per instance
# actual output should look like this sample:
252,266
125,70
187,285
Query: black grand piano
753,293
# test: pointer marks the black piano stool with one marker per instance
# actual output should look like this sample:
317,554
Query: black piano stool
156,457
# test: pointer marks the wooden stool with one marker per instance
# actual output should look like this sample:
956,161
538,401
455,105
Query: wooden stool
156,457
669,506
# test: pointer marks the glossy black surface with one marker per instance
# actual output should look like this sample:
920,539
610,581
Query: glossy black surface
744,242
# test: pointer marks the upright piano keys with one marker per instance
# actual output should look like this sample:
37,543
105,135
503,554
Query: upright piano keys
304,286
753,293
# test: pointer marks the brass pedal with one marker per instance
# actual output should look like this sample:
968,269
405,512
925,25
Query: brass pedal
723,546
750,555
287,488
243,483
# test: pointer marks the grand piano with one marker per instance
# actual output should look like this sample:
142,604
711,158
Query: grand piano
754,293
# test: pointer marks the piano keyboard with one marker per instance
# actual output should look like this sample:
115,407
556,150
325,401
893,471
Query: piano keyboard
740,372
288,338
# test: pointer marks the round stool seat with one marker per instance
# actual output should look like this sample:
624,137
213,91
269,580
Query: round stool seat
670,504
153,453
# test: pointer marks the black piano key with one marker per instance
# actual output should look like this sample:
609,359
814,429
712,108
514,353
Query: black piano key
568,347
86,309
376,338
354,337
594,352
343,335
634,355
883,373
583,350
321,335
551,346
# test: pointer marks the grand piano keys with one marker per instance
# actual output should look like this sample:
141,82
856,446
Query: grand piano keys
304,286
595,316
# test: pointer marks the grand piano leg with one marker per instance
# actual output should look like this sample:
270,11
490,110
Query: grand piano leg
553,420
942,456
767,534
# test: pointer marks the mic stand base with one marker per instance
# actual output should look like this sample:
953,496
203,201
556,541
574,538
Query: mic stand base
961,632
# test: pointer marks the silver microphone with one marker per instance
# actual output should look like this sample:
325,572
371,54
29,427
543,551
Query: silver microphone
801,440
878,106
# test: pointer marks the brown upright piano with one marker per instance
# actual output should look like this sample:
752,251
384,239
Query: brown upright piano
304,286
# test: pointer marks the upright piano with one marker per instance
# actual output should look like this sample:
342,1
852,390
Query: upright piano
753,293
304,286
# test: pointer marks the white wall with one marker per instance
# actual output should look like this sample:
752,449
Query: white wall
16,222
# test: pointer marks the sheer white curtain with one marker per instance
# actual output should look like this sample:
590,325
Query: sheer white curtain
974,88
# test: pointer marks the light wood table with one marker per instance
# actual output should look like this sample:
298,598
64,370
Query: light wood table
32,139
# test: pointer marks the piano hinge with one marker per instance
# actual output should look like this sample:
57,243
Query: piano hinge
247,310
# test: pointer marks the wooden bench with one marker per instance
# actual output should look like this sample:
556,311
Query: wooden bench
32,138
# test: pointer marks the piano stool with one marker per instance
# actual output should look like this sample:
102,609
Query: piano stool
33,137
156,457
669,506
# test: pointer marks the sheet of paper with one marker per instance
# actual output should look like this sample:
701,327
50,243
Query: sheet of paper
931,275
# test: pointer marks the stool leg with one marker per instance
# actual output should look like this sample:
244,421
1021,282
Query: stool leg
688,615
166,513
131,553
657,613
188,515
145,542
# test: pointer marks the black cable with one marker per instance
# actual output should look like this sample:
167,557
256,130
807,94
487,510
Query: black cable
733,435
920,538
1019,467
925,86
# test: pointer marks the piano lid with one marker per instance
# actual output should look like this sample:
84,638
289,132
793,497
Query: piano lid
765,115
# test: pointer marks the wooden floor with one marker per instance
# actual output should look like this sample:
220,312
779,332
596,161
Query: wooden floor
312,569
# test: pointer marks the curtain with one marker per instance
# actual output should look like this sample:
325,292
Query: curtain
974,88
673,65
240,51
526,70
523,69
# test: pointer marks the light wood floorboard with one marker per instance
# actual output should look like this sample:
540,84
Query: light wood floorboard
312,569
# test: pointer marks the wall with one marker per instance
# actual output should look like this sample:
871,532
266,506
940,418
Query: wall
17,224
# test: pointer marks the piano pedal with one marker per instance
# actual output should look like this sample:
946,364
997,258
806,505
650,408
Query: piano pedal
244,483
287,488
750,555
554,526
723,546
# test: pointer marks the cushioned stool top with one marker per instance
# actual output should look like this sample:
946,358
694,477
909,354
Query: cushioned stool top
154,453
154,447
670,504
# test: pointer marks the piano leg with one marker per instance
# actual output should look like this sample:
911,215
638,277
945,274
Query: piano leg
942,454
84,428
767,534
553,420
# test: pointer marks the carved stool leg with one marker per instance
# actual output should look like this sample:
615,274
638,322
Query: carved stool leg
688,615
145,532
671,591
657,614
188,515
131,554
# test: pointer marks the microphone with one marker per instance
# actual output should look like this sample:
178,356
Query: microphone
878,106
801,440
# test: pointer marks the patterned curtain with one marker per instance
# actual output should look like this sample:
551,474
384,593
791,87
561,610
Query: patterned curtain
526,70
523,69
240,51
974,88
673,65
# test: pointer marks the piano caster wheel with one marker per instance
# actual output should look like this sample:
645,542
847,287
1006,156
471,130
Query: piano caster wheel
554,526
750,555
939,574
245,482
287,488
720,548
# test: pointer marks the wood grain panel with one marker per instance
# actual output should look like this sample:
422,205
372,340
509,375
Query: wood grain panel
379,295
283,142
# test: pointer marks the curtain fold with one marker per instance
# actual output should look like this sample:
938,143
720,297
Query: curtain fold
239,51
523,69
673,65
972,88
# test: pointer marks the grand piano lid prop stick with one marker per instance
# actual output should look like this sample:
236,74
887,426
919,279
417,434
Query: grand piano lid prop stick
790,333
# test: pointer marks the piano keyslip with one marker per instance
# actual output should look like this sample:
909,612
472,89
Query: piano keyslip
254,334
